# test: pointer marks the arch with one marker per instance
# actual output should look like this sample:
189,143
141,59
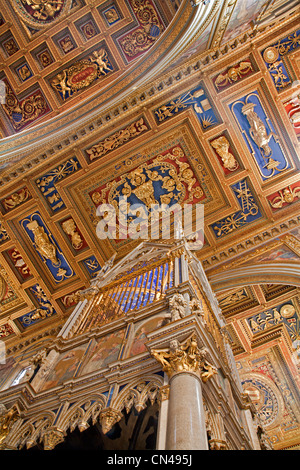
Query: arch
271,273
32,430
137,393
266,397
81,412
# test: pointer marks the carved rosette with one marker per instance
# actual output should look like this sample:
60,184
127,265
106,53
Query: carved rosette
185,357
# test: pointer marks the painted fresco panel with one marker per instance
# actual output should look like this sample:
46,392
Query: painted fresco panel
281,253
140,335
65,367
104,351
244,12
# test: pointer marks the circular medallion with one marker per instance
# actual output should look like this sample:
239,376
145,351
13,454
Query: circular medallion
287,311
263,398
41,12
270,55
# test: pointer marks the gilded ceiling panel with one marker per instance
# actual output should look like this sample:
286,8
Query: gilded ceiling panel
171,170
57,49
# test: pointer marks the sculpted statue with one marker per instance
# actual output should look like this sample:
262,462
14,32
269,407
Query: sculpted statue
197,308
102,61
87,293
177,304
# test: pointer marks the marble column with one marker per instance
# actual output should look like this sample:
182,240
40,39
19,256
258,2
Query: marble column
186,367
162,417
186,420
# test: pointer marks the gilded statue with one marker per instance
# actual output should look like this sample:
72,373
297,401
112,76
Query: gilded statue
185,357
7,419
42,242
101,58
60,82
221,145
196,308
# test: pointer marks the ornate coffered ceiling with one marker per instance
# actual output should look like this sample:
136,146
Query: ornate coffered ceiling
141,98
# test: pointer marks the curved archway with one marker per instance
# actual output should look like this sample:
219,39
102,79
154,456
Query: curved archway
270,273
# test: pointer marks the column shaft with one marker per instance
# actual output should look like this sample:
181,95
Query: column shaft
186,420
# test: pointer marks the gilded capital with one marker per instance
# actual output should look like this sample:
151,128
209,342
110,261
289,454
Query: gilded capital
184,357
164,393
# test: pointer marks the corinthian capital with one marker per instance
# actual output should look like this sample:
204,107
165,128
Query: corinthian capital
184,357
